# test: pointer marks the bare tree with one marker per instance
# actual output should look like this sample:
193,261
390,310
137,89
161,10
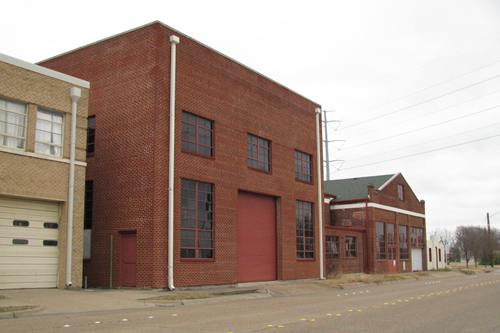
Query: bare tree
479,242
464,240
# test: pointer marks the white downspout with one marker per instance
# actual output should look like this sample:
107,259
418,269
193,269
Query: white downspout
319,164
75,94
174,40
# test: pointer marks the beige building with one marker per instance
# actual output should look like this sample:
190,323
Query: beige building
41,111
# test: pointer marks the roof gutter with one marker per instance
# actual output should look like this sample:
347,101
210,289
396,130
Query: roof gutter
174,40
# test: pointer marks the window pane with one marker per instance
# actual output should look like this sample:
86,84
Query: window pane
196,218
48,134
197,134
258,153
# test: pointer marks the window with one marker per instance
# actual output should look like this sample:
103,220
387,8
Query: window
303,167
401,195
430,254
197,135
391,241
259,153
417,237
196,219
89,202
304,230
350,246
90,135
332,247
12,124
48,135
439,255
380,239
403,242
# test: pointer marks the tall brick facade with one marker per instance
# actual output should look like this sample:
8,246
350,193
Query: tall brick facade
130,98
358,217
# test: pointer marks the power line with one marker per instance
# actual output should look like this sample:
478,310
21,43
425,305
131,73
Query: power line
431,141
431,86
451,92
423,152
442,109
422,128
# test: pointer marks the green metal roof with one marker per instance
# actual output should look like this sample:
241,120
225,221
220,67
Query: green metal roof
354,188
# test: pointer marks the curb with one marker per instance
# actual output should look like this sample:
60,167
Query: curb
20,313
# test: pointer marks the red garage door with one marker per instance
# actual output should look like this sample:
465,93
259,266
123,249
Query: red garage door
256,237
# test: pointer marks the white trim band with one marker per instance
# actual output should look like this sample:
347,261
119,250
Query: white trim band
42,157
389,181
379,206
44,71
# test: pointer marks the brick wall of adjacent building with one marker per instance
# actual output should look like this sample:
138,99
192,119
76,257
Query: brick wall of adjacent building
25,174
344,264
362,221
129,96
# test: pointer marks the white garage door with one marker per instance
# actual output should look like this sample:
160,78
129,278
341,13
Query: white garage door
28,243
416,260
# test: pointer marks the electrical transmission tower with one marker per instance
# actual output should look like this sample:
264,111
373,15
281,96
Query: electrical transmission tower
326,142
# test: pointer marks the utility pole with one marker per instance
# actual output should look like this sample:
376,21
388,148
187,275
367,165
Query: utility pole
490,249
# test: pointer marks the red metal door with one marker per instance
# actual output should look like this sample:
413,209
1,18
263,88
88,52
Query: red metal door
127,259
256,237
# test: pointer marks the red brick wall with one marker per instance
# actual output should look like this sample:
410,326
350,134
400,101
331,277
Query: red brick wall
389,197
344,264
129,77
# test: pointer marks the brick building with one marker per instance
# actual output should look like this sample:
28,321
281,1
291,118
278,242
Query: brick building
374,225
37,106
245,185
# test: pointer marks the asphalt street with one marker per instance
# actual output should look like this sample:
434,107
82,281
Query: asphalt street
464,303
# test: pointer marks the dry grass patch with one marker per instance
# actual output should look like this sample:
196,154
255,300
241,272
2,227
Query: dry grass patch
340,280
14,308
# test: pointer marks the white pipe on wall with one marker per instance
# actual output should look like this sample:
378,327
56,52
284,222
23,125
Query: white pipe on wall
319,164
75,94
174,40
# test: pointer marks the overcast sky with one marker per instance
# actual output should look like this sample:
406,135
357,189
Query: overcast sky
405,77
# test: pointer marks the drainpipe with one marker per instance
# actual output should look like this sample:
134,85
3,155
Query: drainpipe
319,164
75,94
174,40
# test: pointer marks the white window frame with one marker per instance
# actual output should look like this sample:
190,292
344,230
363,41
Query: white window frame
61,146
25,125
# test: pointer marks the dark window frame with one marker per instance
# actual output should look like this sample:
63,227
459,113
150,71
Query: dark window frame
91,125
187,139
350,247
380,244
196,228
332,243
404,253
390,240
304,232
254,161
417,237
301,174
88,207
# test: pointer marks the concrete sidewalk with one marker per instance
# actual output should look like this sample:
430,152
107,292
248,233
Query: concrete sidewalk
67,301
